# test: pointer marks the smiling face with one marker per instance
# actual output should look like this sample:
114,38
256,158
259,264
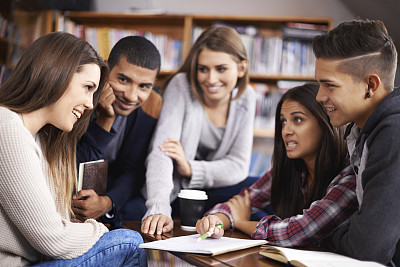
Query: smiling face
342,96
76,99
217,75
131,84
301,132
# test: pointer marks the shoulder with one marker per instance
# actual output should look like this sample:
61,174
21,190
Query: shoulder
247,100
5,113
9,121
248,96
385,132
178,83
13,133
152,106
345,176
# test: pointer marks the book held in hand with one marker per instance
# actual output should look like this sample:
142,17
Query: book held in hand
308,258
93,175
208,246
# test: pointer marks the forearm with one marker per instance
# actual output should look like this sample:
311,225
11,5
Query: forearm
93,142
247,227
105,122
224,219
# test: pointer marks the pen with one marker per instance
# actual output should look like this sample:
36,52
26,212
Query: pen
208,234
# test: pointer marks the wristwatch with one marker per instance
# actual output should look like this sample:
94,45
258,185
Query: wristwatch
111,213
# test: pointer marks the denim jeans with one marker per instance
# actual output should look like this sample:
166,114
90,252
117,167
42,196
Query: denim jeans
116,248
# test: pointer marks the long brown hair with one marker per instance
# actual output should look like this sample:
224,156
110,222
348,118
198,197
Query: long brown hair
40,78
287,198
221,39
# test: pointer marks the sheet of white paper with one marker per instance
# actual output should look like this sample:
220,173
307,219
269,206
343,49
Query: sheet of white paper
207,246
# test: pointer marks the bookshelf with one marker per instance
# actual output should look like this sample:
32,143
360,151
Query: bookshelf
18,29
5,13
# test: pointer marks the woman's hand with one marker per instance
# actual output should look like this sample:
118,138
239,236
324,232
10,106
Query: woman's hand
240,207
157,224
207,224
241,212
173,149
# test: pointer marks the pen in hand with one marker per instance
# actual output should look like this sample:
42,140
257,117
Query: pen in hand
208,234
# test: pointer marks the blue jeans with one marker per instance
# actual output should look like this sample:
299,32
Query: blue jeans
116,248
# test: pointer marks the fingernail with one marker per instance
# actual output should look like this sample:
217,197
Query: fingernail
158,232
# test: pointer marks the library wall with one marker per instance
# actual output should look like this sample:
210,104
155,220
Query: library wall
332,8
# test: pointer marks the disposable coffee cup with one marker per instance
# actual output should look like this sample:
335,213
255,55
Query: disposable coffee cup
191,207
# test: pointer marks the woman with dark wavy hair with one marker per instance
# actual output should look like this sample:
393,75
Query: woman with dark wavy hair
45,108
311,187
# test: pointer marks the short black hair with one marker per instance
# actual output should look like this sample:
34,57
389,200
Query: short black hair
364,46
138,51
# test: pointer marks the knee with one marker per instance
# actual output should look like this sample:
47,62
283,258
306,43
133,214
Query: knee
129,236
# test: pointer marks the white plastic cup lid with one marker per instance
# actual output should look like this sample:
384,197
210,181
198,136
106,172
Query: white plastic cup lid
192,194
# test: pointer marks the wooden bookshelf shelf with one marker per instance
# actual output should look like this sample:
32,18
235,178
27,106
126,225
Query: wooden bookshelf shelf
275,77
264,133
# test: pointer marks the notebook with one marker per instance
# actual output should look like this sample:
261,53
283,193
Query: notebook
208,246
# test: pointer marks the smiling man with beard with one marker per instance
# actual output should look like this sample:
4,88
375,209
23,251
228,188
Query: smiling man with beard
120,132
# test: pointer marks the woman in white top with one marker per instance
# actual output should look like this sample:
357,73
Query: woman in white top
203,138
45,106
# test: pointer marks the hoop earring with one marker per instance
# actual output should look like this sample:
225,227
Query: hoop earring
367,95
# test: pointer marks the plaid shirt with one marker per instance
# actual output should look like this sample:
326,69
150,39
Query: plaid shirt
320,220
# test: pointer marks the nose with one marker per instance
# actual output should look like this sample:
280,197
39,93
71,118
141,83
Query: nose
321,96
89,101
287,129
212,77
131,94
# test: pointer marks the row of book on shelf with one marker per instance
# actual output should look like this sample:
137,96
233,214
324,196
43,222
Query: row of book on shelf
18,37
104,38
267,98
5,72
286,51
8,30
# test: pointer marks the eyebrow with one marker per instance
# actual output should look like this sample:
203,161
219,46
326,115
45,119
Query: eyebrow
124,76
146,84
94,84
296,112
220,65
325,81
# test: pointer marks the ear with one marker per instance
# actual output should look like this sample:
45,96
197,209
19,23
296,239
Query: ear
242,67
373,82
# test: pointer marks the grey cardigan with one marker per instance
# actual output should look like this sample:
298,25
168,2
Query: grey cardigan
180,118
